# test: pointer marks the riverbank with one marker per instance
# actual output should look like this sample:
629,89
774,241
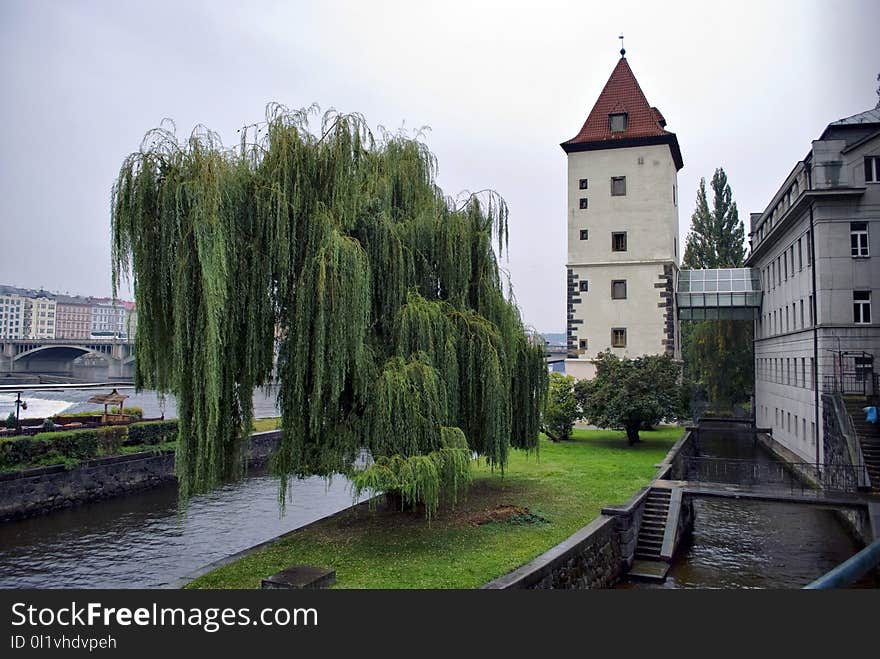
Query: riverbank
504,522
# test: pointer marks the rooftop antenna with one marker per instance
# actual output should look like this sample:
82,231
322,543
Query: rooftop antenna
622,49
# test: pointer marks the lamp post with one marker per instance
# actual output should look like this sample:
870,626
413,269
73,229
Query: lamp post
19,405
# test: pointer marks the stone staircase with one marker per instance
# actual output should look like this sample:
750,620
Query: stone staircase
869,438
650,540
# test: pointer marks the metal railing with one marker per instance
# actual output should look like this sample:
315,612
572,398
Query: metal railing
849,384
773,475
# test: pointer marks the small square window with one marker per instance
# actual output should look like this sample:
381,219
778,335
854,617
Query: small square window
584,203
618,241
582,344
583,286
618,186
582,184
585,234
617,122
618,337
618,289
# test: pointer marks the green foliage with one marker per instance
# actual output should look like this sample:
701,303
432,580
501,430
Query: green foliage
385,297
152,432
718,353
48,424
716,238
10,420
29,450
631,393
129,411
562,409
111,439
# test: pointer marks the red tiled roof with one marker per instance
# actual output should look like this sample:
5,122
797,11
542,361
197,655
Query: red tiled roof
621,94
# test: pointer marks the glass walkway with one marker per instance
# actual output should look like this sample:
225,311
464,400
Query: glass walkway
726,294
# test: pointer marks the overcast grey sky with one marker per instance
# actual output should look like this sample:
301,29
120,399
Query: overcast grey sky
745,85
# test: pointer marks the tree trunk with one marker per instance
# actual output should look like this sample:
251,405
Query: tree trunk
632,433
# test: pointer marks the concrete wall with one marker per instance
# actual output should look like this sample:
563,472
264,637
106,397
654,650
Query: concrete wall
648,213
42,490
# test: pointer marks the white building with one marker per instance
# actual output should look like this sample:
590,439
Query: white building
12,316
815,246
622,228
109,319
39,318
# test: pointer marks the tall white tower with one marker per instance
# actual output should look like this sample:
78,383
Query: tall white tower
622,228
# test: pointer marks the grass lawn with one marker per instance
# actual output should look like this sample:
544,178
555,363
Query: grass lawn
261,425
566,484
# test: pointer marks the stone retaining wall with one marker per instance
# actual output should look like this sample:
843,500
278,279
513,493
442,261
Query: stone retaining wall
37,491
590,558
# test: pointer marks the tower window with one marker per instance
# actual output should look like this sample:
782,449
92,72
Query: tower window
584,203
618,186
583,286
618,289
585,234
583,344
618,337
582,184
618,122
618,241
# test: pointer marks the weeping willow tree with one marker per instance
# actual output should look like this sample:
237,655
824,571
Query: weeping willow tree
335,263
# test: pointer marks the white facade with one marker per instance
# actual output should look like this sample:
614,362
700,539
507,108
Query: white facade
647,214
816,249
39,318
109,319
12,316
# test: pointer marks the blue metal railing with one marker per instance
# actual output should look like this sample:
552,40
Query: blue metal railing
850,570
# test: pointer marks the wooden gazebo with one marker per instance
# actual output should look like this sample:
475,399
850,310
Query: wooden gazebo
113,398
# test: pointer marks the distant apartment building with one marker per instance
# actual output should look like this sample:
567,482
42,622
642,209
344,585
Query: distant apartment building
816,248
12,316
39,318
109,319
73,317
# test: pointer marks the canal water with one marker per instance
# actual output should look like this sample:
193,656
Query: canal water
755,544
140,540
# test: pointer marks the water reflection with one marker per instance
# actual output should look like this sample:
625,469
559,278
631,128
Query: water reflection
139,541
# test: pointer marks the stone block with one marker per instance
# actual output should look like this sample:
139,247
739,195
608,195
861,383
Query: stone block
299,577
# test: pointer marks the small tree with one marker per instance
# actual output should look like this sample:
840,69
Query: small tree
629,393
10,420
561,410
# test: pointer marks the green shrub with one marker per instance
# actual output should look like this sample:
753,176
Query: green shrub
130,411
110,439
10,420
48,424
23,451
152,432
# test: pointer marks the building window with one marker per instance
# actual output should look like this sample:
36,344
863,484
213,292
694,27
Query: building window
861,306
618,241
583,344
785,265
617,122
674,197
583,286
618,289
809,247
618,186
858,239
800,256
618,337
582,184
802,314
584,203
585,234
872,169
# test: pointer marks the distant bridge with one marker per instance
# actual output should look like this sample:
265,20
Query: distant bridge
56,356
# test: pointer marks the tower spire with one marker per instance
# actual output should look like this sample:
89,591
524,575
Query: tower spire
622,49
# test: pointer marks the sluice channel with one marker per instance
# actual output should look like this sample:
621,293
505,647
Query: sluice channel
755,544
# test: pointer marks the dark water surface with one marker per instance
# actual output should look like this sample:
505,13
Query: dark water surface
755,544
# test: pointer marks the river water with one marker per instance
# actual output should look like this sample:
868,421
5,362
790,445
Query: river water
755,544
140,540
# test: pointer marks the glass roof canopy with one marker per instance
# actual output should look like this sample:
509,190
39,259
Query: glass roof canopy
726,294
